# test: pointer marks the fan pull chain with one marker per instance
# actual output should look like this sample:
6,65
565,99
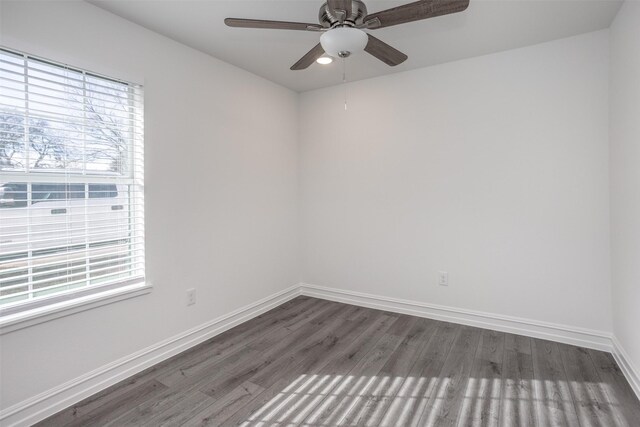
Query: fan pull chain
344,81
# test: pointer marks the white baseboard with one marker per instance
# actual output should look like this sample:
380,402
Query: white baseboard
628,369
598,340
58,398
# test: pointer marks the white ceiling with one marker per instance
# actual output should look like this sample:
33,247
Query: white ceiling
487,26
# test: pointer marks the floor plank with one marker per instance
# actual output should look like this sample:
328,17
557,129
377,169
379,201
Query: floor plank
423,380
91,405
311,362
323,382
394,373
334,408
517,406
481,406
222,409
619,392
554,405
111,407
445,405
591,401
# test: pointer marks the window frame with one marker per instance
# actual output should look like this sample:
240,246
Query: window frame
14,314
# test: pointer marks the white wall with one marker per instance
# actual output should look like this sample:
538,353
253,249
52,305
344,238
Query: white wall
494,169
222,139
625,178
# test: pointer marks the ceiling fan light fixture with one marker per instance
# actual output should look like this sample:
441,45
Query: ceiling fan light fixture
324,60
343,41
341,20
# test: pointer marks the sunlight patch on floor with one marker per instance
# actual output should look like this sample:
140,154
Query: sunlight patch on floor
334,400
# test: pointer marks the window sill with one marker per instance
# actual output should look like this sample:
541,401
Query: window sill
29,318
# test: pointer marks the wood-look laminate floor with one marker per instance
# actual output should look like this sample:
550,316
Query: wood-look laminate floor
312,362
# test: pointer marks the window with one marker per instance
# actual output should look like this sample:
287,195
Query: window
71,183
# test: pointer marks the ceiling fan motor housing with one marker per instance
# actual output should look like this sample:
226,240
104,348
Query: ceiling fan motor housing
354,17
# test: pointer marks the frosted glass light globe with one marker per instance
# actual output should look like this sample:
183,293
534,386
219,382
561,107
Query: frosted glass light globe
343,39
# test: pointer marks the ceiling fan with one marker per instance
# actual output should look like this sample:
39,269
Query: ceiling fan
342,23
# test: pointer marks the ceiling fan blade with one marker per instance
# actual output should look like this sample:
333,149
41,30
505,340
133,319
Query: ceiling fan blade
274,25
339,8
308,58
385,53
415,11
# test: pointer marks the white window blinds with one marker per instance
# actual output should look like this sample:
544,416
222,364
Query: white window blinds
71,183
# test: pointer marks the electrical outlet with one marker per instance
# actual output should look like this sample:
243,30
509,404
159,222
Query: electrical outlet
191,296
443,278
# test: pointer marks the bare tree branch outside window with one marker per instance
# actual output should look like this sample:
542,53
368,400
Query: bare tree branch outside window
98,139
